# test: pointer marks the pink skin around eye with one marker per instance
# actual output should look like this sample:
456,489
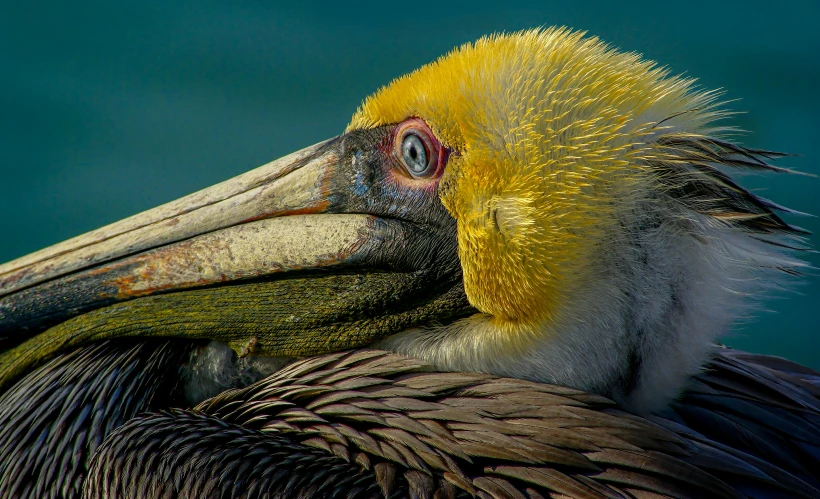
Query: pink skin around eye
434,149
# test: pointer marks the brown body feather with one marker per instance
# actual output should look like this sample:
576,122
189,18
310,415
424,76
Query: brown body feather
405,431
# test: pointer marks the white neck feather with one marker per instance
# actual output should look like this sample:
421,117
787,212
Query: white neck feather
667,286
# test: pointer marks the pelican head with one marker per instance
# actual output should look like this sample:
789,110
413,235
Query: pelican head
598,233
535,205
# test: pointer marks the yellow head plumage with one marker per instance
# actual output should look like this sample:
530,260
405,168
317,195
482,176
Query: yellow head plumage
552,133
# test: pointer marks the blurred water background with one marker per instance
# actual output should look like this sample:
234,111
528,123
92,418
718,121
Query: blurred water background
110,108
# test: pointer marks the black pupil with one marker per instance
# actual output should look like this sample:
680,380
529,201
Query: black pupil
414,154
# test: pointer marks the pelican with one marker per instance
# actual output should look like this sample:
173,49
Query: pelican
506,278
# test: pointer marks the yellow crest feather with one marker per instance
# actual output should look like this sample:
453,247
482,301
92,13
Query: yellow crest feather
553,131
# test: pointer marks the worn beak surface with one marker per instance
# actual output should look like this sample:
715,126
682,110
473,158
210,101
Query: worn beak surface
325,249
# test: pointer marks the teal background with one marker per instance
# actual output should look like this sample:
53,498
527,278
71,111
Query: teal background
110,108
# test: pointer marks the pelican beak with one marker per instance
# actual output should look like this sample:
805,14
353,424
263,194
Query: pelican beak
321,250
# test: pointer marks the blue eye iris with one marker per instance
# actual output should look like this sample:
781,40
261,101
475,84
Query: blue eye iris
414,155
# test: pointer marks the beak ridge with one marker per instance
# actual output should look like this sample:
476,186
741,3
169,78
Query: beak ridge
290,184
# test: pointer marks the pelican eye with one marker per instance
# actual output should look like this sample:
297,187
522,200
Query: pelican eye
414,155
417,151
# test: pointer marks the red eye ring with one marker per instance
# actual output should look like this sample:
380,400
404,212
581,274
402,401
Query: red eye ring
418,150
